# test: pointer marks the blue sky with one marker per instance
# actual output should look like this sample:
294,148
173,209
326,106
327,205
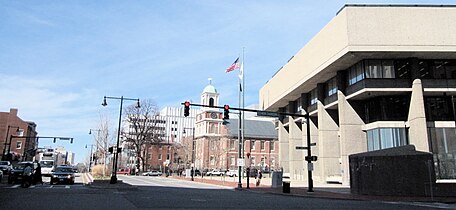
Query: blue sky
59,58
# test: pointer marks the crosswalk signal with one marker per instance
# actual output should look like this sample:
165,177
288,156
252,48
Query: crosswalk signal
226,112
186,109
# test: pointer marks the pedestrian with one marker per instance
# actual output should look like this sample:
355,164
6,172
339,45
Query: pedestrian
258,178
38,177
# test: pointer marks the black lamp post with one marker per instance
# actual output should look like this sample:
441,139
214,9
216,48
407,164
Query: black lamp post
6,142
91,157
193,151
116,155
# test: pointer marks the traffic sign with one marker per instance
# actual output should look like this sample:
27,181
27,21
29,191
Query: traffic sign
240,162
267,114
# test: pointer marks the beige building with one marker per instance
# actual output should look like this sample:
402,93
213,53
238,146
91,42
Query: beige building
376,76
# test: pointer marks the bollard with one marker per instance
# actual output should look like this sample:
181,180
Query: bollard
286,187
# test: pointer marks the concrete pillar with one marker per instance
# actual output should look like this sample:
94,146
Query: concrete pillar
296,156
352,138
283,147
417,119
328,146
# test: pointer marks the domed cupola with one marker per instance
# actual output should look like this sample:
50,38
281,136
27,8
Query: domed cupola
209,96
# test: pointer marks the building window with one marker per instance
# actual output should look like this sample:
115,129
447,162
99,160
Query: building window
232,144
252,163
379,69
355,73
159,156
211,102
271,145
438,109
313,96
212,159
252,145
331,87
167,156
382,138
443,147
232,161
18,145
262,145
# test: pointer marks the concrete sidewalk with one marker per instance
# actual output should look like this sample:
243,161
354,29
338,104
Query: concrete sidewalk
332,191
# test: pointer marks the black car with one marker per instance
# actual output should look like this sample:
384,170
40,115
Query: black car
62,174
17,174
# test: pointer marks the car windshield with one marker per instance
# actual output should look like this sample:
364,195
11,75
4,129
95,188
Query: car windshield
63,169
20,166
3,162
46,163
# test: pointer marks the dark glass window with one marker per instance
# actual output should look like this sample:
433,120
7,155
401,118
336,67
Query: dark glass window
392,108
443,146
313,96
331,87
438,109
442,69
355,73
402,68
211,102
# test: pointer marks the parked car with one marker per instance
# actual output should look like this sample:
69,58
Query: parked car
152,173
124,171
215,172
16,175
62,174
6,167
232,173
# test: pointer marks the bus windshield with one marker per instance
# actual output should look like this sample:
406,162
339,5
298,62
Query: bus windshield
47,163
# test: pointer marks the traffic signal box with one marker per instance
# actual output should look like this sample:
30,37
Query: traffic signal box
186,109
226,112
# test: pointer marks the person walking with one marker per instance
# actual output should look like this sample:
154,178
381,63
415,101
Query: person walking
258,178
38,176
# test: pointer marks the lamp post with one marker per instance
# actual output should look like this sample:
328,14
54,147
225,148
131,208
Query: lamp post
193,151
114,167
6,141
91,157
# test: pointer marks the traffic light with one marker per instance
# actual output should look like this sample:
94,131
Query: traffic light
110,149
226,112
55,139
71,140
186,109
310,158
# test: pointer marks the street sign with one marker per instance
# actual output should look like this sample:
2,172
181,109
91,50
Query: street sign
301,147
267,114
310,166
240,162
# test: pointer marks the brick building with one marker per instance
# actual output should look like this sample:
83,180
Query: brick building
17,137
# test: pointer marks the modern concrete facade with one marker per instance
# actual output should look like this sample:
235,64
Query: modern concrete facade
376,76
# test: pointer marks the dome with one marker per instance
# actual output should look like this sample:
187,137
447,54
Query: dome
209,89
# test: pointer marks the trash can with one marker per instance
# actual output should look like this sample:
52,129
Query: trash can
286,186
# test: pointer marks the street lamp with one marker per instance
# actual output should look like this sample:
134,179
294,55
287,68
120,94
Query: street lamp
193,150
114,167
6,140
91,157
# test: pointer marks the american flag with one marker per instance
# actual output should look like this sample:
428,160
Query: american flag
233,66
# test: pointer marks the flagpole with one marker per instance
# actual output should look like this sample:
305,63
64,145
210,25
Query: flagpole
241,143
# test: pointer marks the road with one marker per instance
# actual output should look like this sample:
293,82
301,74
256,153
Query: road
168,193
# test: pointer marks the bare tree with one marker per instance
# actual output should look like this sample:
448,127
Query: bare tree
103,140
143,128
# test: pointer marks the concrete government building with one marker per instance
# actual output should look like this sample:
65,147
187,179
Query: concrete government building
375,77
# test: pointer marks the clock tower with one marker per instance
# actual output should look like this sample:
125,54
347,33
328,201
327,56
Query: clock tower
208,125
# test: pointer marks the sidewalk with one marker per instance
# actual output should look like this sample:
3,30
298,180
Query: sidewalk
332,191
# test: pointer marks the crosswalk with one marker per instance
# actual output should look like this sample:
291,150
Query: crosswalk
45,186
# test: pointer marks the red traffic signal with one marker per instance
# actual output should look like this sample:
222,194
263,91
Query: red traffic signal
186,109
226,112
